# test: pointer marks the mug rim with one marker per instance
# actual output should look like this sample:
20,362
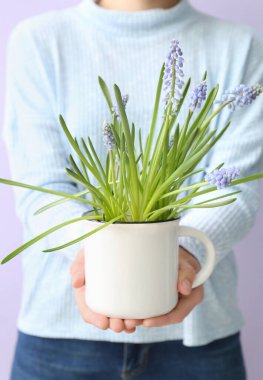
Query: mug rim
117,222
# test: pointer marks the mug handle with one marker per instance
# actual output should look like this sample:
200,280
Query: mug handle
210,258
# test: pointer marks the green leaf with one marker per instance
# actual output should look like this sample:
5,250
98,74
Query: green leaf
86,175
44,234
181,102
76,177
183,139
131,152
106,93
107,166
219,197
138,158
182,204
72,141
76,168
164,167
210,205
183,189
43,190
149,140
218,167
205,109
112,163
188,164
84,236
115,131
122,171
184,94
93,165
247,179
108,198
153,176
60,201
99,165
204,143
140,145
133,134
156,158
81,156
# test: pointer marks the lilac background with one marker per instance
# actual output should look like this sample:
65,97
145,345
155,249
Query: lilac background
248,252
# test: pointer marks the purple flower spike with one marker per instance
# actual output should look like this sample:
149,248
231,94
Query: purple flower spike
241,96
198,96
222,177
173,72
108,137
115,109
125,99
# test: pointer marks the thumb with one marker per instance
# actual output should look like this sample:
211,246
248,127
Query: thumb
77,270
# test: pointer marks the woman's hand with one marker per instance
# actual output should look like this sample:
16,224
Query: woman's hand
101,321
188,297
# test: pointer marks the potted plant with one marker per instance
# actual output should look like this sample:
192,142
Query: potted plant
131,248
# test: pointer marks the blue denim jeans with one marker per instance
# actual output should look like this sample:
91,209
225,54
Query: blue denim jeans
70,359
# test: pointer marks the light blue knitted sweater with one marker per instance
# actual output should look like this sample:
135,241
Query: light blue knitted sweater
53,64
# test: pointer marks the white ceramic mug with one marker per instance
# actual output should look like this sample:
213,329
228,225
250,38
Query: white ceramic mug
131,269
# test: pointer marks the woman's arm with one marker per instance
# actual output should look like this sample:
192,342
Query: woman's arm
241,146
33,136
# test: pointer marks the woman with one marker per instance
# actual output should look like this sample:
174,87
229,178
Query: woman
53,64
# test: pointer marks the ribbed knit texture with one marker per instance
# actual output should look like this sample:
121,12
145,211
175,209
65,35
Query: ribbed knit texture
53,64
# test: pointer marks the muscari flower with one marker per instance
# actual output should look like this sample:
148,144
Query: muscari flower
173,72
242,95
115,110
222,177
108,137
198,96
125,99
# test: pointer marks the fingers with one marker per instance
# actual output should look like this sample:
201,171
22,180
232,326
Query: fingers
128,325
77,270
186,276
130,331
90,316
188,267
117,324
183,308
100,321
131,323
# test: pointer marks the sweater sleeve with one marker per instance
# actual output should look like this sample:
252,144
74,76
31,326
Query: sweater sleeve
36,150
241,146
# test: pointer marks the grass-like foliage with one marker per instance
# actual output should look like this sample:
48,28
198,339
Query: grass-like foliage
142,181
